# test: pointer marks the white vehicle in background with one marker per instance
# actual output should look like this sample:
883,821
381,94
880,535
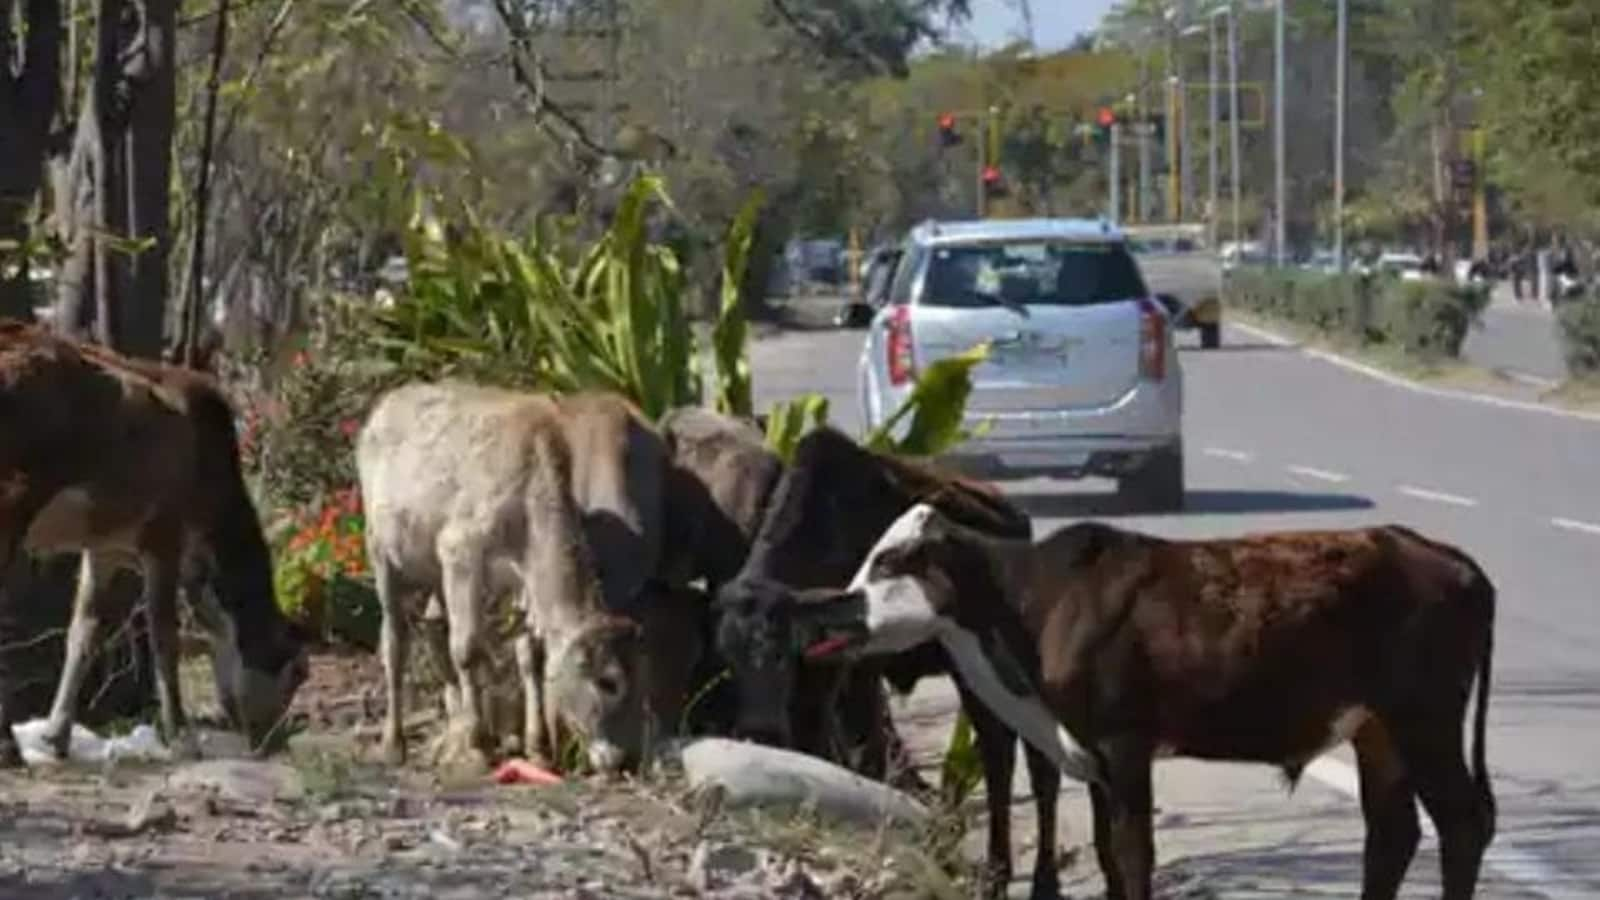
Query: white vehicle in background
1083,377
1241,253
1405,265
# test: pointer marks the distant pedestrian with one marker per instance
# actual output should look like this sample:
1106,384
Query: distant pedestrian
1519,271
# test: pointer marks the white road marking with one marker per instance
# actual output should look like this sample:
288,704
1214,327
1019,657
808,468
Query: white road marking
1527,378
1436,496
1526,869
1320,474
1407,384
1576,525
1224,453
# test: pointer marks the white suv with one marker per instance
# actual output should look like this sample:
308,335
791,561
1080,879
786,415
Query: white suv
1082,377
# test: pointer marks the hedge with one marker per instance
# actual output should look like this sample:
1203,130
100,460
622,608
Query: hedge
1580,335
1429,319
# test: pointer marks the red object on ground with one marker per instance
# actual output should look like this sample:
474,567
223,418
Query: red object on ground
520,771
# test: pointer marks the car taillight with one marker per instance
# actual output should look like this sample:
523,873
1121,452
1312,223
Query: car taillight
902,368
1152,341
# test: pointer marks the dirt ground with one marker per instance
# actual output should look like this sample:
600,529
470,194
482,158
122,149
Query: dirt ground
327,820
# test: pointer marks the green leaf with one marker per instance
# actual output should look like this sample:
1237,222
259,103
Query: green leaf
789,421
937,405
961,770
728,336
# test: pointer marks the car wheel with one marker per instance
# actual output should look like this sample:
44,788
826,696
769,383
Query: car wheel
1157,486
1211,336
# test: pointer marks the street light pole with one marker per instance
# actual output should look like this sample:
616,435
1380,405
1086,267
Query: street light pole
1211,131
1234,164
1280,231
1338,137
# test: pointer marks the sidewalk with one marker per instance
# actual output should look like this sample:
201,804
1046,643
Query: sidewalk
1520,340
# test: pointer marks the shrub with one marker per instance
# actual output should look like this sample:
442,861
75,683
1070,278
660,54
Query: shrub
1580,335
320,573
1429,319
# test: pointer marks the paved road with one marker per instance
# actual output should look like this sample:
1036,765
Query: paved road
1279,440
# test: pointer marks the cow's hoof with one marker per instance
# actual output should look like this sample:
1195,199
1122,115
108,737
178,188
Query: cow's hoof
459,750
1045,887
10,754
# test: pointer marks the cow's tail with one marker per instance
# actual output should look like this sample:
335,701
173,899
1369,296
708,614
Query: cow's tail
1480,720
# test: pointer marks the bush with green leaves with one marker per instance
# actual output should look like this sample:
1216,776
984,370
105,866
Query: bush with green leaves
1580,335
1429,319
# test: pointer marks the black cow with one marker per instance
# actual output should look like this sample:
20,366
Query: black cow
829,509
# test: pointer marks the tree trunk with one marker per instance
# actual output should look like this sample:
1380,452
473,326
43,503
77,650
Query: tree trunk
27,107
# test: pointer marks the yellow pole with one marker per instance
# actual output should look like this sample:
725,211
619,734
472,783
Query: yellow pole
1172,150
855,262
1480,199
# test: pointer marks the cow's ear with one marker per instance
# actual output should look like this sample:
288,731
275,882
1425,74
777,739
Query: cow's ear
827,623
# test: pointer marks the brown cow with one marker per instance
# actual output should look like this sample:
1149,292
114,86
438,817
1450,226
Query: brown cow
1270,648
136,464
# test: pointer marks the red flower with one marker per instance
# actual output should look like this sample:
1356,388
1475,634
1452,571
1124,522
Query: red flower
302,359
349,427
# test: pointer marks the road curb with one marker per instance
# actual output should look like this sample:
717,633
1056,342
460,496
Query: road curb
1389,378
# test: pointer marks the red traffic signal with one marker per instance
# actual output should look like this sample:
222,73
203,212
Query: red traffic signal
947,130
1107,117
994,184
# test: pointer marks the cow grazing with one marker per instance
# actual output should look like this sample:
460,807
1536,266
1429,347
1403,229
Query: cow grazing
1269,648
136,465
475,491
829,508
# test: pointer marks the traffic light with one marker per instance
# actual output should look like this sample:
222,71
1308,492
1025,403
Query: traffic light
1106,117
994,183
948,136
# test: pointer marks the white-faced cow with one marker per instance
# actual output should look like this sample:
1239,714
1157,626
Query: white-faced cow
474,491
1270,648
136,465
832,504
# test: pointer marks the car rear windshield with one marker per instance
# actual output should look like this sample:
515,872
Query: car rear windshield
1045,273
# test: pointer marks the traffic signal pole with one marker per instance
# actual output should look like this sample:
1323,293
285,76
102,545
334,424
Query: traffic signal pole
983,163
1114,177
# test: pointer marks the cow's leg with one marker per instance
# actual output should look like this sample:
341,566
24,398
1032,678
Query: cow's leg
1045,779
392,648
537,740
1128,813
1430,748
462,559
160,565
997,747
1100,801
1389,807
436,632
94,574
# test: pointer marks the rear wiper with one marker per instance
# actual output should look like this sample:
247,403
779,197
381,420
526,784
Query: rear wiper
1013,305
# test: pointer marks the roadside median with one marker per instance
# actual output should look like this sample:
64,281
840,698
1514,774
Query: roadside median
1413,330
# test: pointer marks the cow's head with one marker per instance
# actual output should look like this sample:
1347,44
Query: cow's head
767,629
596,678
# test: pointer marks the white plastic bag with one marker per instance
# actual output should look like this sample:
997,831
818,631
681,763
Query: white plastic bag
139,745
